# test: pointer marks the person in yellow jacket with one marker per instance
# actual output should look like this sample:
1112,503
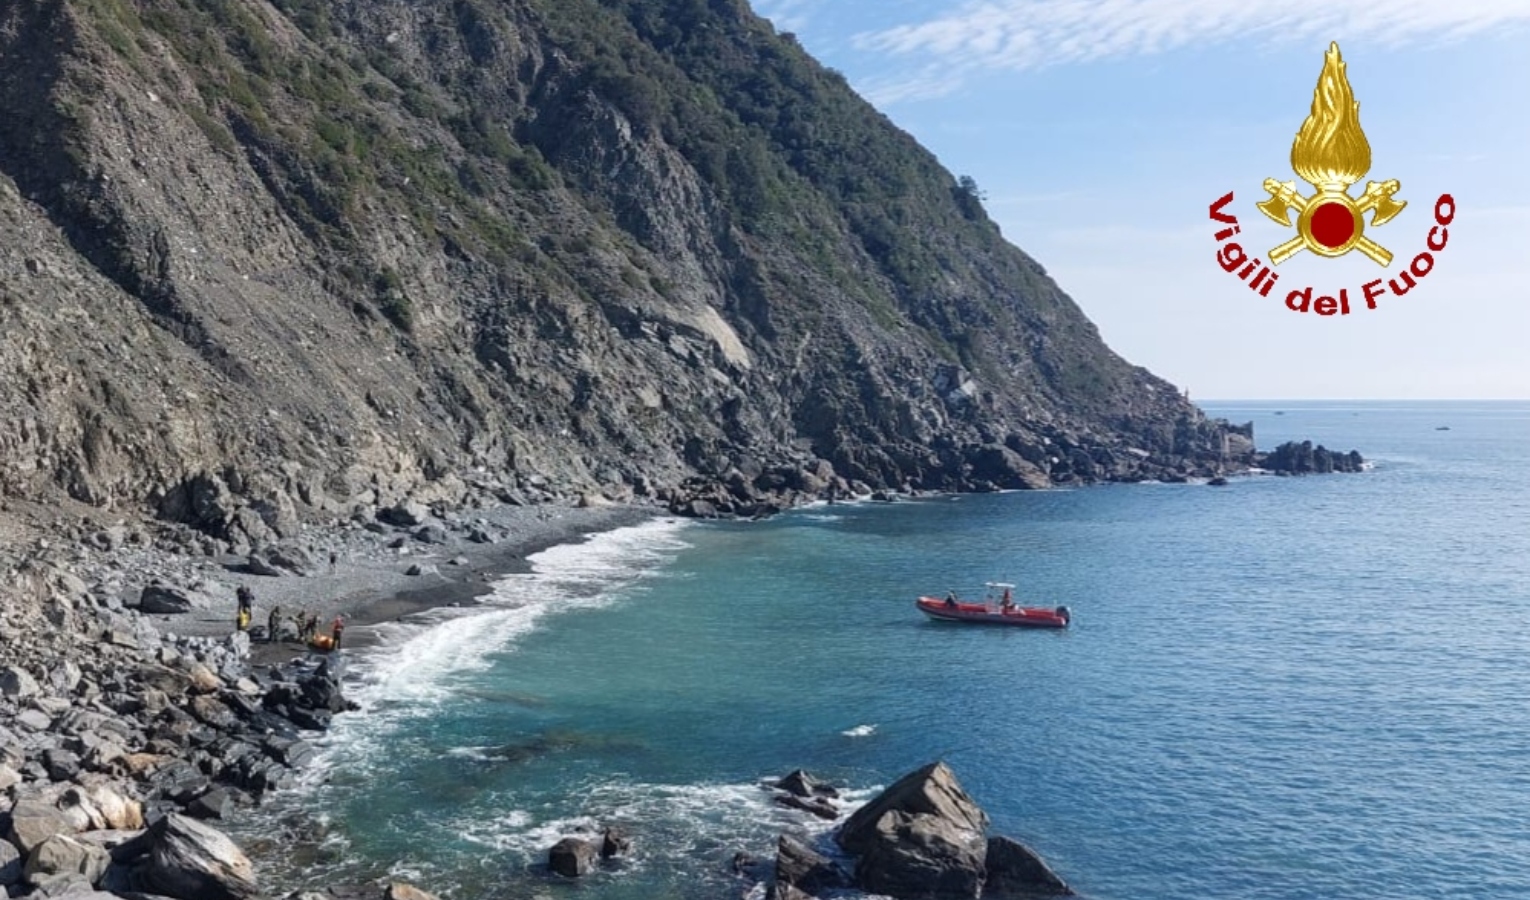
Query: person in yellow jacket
246,610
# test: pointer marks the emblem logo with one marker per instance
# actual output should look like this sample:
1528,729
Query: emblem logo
1331,153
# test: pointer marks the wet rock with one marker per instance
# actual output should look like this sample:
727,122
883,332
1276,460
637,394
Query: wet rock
801,784
922,837
214,804
398,890
818,806
932,790
614,842
572,857
192,861
802,867
918,856
1015,870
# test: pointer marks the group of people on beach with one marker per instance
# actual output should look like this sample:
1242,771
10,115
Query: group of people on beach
305,624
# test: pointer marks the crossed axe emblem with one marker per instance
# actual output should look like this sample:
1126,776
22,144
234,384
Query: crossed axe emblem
1331,223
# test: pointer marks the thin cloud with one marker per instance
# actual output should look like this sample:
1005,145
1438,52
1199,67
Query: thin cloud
1028,34
787,15
930,82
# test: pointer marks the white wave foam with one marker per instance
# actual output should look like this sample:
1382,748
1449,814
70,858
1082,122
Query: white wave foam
680,822
860,731
415,666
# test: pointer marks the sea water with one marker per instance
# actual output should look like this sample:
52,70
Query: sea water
1283,688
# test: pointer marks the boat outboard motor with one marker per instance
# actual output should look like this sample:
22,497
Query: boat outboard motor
1064,613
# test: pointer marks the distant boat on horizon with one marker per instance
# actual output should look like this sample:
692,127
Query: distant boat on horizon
1442,428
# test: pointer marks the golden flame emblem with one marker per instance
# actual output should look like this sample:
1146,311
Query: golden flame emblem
1331,153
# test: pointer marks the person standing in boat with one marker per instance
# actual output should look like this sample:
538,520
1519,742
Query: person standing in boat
951,599
1009,601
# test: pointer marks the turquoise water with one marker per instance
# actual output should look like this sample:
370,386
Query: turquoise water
1286,688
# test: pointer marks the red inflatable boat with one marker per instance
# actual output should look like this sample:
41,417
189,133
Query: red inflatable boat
994,610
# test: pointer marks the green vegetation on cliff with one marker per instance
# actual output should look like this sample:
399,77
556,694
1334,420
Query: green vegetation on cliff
617,242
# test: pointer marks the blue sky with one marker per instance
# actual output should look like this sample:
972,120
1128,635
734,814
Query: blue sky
1101,130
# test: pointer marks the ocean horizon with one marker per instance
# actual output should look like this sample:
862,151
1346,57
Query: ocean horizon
1283,688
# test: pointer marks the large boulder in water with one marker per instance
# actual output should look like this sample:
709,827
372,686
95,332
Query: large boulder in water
1014,870
192,861
921,838
930,791
572,857
923,857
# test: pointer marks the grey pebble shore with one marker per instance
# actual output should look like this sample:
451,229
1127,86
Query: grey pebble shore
134,716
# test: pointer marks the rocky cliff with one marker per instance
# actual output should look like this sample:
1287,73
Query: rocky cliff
259,258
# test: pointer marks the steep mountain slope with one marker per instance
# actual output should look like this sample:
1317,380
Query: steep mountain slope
257,255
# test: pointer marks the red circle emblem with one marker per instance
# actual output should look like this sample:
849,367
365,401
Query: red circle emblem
1333,225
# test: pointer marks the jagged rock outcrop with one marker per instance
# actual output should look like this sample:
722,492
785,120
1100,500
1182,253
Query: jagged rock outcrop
264,261
923,838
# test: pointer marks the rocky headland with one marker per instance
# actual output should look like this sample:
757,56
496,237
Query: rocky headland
358,302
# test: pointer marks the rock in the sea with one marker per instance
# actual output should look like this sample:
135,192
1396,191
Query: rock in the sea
572,857
818,806
614,842
398,890
192,861
921,838
214,804
932,790
798,783
802,867
922,856
1014,870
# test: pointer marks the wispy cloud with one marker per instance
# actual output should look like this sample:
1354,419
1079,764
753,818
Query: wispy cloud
787,15
1025,34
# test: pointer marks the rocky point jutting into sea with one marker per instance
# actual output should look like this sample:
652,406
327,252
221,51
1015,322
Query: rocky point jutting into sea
299,288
